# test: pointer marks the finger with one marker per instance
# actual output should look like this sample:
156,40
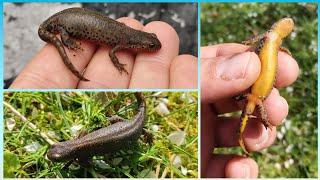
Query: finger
207,135
226,76
102,72
216,166
272,104
277,108
47,70
151,69
241,167
184,72
223,50
256,136
231,166
287,71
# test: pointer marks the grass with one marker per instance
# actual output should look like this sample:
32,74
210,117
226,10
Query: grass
294,153
57,114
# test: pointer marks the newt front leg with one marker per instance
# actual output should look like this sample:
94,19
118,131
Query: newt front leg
115,60
267,50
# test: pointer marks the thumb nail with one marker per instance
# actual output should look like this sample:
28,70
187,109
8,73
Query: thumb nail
233,67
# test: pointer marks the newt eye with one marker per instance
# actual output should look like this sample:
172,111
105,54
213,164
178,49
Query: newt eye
152,45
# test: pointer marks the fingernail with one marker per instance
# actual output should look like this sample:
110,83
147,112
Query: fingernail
264,136
243,171
234,67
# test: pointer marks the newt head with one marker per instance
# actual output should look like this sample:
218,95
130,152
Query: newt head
145,41
283,27
57,153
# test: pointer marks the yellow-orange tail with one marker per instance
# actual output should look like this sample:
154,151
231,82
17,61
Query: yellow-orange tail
244,121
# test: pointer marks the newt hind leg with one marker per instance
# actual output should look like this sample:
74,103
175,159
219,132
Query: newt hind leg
115,60
252,101
67,41
52,39
147,136
263,114
240,97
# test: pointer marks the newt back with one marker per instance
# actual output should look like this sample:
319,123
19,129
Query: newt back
95,27
119,135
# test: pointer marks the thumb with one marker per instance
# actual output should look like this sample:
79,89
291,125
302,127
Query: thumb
226,76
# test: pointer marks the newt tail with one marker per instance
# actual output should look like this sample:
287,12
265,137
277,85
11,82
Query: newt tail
267,50
244,121
51,38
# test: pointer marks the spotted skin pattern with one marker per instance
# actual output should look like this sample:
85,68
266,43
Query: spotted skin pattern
267,50
89,25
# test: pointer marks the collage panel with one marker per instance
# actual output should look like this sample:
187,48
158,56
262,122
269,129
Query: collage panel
275,121
100,134
150,45
258,101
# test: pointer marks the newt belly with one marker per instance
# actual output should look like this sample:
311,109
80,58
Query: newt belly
267,50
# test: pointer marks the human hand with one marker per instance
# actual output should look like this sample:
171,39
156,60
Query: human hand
228,70
160,69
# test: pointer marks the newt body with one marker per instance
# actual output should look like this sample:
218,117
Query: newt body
267,50
90,25
119,135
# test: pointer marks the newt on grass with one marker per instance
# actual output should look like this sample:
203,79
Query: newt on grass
95,27
119,135
267,50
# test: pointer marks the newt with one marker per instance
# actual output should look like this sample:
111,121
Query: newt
267,50
119,135
92,26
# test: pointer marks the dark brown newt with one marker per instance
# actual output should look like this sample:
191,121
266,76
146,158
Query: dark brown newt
90,25
119,135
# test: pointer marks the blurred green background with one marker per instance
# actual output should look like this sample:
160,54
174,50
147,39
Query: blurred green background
294,153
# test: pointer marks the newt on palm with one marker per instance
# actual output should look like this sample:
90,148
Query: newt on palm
90,25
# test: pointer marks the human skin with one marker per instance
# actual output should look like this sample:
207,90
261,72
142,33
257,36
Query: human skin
228,70
161,69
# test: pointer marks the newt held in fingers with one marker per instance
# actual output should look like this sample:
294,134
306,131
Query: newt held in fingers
267,50
119,135
89,25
